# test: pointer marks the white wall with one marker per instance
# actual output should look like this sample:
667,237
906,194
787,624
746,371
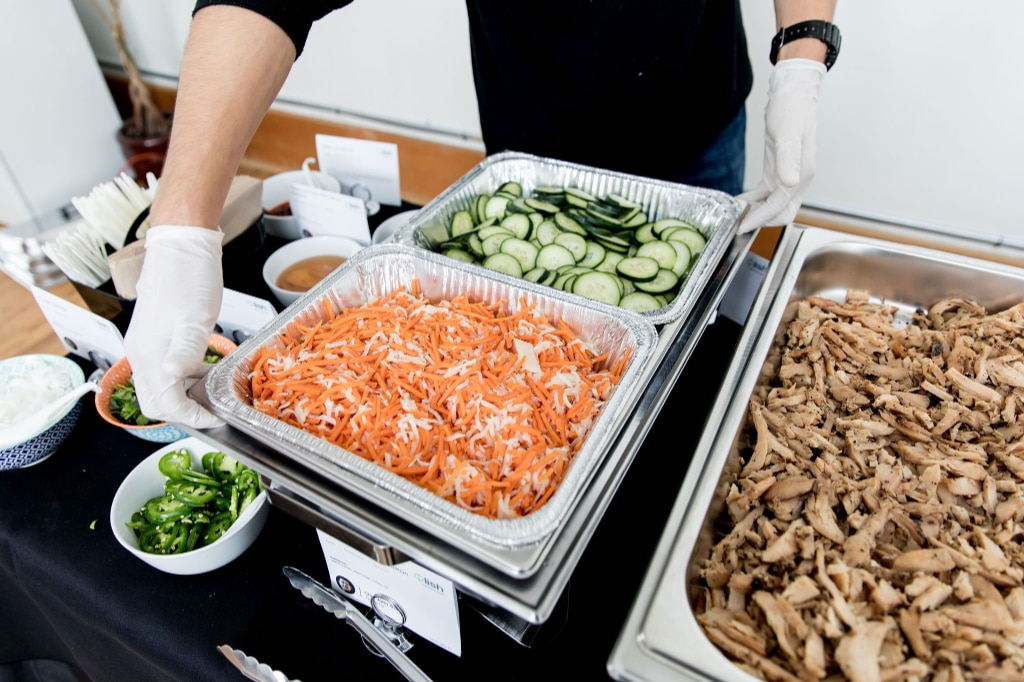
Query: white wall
921,122
58,122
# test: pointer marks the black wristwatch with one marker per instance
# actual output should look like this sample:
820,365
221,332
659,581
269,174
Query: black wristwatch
824,31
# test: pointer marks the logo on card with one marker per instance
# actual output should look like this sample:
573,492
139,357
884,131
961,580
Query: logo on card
427,582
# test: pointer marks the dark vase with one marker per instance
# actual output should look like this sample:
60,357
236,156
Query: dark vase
142,154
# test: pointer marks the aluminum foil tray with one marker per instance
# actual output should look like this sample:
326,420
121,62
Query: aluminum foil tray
379,270
662,639
714,213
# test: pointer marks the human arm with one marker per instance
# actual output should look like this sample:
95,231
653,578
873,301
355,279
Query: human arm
234,64
790,119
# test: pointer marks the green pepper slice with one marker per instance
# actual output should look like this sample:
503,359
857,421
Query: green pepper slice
194,494
175,463
192,476
166,508
218,526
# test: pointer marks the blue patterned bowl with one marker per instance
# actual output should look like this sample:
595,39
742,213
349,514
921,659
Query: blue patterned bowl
63,375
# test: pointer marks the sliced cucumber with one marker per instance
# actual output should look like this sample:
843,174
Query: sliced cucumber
518,223
460,255
599,286
502,262
660,251
576,244
495,207
594,255
640,302
638,268
512,187
547,231
683,258
693,239
664,280
523,251
492,245
553,256
462,222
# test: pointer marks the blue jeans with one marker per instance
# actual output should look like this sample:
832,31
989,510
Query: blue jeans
721,166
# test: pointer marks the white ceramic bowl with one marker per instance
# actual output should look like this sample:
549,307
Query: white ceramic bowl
392,225
146,482
277,190
20,378
299,250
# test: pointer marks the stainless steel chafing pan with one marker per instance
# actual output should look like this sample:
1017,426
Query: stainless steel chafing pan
661,639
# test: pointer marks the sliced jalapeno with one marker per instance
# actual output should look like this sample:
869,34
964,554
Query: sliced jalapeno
199,477
166,508
218,526
175,463
194,494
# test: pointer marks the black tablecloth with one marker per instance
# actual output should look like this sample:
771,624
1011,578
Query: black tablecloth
69,593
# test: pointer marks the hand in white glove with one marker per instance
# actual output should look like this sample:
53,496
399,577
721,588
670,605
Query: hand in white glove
790,121
179,297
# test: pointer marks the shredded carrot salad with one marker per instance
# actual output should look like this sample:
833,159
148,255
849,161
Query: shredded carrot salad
482,407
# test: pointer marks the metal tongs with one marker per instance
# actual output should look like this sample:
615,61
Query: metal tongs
345,610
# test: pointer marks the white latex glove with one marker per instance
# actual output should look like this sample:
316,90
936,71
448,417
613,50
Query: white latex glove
179,297
790,127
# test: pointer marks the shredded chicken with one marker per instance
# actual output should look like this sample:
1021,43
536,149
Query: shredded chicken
873,528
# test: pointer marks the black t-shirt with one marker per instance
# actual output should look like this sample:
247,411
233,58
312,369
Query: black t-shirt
639,86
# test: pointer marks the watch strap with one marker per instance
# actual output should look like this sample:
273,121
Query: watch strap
824,31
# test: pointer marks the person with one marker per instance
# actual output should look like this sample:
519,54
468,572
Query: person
648,87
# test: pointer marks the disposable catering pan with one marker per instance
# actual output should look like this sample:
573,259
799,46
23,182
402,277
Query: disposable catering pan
714,214
521,576
662,639
371,274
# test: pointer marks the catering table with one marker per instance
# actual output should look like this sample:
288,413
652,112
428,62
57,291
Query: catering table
70,594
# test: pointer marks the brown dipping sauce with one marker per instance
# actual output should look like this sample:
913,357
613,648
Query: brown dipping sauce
282,209
301,276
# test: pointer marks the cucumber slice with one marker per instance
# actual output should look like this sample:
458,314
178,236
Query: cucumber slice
567,223
512,187
460,255
547,231
491,230
663,252
611,260
479,208
462,222
495,207
576,244
645,233
492,245
595,254
683,258
664,280
522,250
640,302
693,239
502,262
535,274
599,286
553,256
542,206
638,268
660,225
518,223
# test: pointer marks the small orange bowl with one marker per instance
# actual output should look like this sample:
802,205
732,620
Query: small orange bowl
118,375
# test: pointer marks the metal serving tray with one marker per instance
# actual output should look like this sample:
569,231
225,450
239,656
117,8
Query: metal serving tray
713,213
376,272
661,639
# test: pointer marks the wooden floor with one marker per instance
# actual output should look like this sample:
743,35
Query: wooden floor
25,329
